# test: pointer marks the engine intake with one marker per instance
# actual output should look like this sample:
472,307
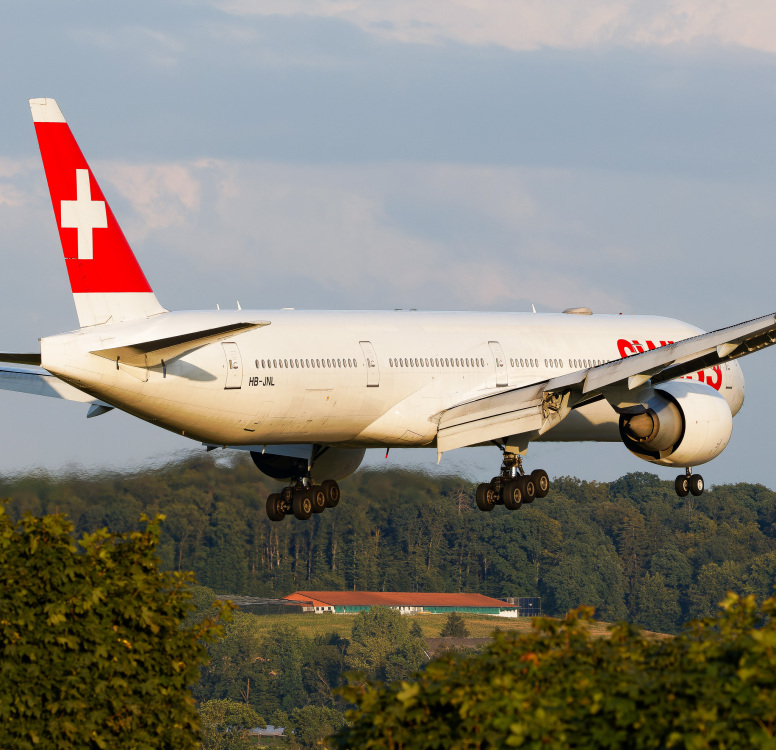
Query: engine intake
683,424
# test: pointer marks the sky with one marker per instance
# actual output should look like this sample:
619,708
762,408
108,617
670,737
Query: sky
435,154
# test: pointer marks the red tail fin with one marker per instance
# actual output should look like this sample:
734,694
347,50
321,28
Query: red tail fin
107,281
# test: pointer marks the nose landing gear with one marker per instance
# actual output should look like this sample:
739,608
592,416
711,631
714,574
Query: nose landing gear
689,484
303,498
513,488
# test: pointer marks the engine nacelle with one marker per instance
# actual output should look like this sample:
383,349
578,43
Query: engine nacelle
683,424
333,463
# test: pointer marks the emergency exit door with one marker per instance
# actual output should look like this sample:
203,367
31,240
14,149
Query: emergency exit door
502,377
372,368
233,365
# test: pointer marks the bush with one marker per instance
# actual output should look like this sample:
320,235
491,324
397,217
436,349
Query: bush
712,686
92,652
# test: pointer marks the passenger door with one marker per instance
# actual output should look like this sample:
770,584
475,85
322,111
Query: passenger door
501,363
372,368
233,365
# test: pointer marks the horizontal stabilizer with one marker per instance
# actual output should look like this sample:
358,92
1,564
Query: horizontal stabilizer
40,383
18,358
152,353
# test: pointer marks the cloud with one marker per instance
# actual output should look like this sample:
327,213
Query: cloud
528,24
163,195
380,235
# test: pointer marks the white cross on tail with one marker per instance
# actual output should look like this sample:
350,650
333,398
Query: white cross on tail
84,214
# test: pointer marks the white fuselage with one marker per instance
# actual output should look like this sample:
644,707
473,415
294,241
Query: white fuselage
357,378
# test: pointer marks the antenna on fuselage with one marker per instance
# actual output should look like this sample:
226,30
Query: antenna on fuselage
238,305
532,307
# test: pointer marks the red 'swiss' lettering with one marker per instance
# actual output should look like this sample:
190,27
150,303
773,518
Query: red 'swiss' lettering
712,376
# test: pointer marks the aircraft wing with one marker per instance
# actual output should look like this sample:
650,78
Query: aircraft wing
540,406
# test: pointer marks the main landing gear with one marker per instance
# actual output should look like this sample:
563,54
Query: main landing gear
689,484
513,488
303,498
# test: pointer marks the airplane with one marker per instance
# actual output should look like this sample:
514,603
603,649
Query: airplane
307,392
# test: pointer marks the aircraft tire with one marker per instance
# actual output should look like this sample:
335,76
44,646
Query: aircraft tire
275,510
682,485
302,505
318,498
484,497
513,494
332,492
529,489
696,484
541,482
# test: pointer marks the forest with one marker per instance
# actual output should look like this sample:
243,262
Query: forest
630,548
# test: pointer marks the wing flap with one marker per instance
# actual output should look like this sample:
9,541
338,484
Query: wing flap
157,351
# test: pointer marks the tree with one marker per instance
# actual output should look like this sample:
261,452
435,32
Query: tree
454,627
555,687
226,725
311,725
656,606
415,630
381,646
92,651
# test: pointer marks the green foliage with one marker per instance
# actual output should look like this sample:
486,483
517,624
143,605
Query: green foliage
312,725
454,627
274,671
382,647
713,686
586,543
92,652
226,725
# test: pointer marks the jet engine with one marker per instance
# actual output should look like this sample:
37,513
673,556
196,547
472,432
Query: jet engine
683,424
330,463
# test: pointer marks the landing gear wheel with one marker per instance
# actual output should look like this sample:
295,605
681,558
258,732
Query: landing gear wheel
529,489
541,482
275,510
302,505
513,493
318,498
682,485
332,492
484,497
696,484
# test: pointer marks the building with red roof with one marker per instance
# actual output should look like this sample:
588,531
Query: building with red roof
407,602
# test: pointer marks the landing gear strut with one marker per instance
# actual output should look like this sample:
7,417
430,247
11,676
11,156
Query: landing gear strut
303,498
689,484
512,488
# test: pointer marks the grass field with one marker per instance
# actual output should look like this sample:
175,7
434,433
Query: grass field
480,626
